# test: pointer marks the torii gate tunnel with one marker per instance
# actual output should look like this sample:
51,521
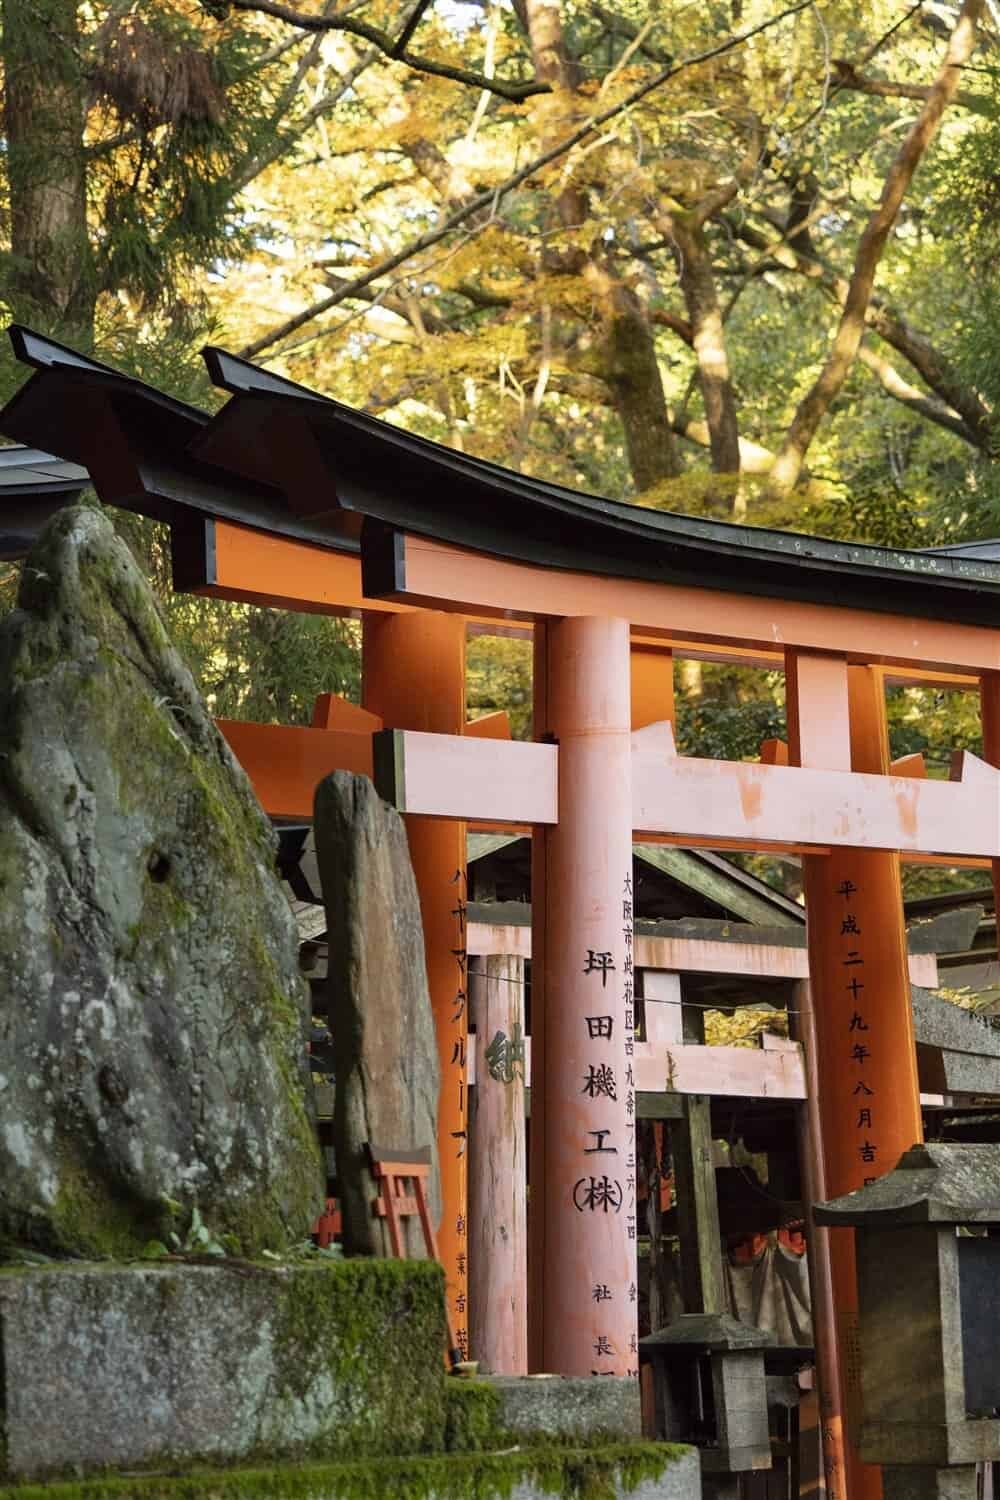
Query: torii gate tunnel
287,499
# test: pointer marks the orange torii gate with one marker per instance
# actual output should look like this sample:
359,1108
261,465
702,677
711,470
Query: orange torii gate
265,502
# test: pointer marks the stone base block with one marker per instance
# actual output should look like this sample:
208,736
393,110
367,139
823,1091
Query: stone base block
637,1471
924,1483
558,1406
131,1367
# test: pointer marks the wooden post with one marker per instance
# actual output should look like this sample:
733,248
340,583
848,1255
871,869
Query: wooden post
583,1202
413,677
989,698
824,1315
703,1285
498,1227
869,1097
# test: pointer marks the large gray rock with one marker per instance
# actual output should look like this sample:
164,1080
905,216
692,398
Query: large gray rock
151,1011
379,1006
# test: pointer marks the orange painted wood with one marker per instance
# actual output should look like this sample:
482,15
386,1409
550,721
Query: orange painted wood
328,1225
414,678
489,727
330,711
402,1204
652,685
258,567
909,765
690,799
772,803
822,736
869,1095
441,576
285,763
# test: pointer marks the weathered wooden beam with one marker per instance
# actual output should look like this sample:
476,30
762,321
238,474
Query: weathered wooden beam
702,1283
844,809
683,954
687,797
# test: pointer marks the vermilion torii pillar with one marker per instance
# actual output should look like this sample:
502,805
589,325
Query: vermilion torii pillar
583,1216
869,1097
414,677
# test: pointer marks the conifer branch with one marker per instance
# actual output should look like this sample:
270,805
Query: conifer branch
489,199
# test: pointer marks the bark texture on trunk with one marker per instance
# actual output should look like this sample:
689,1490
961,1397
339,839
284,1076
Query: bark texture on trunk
697,281
51,277
627,350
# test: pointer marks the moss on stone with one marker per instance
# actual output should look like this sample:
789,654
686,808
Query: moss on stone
90,1222
375,1328
137,851
571,1473
472,1416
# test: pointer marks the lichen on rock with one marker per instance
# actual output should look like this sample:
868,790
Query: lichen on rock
152,1016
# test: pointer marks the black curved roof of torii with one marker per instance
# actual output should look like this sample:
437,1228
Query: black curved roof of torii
285,459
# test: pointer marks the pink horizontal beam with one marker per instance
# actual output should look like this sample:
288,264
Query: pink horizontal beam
690,955
688,796
451,776
743,1072
683,796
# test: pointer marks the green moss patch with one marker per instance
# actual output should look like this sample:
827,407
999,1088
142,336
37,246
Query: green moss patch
472,1416
375,1328
572,1473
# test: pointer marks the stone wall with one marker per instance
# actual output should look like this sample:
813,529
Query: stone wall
239,1381
128,1366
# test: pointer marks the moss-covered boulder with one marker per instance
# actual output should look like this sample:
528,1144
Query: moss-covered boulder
152,1017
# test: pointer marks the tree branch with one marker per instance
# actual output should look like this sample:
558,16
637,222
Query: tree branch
915,347
848,77
490,198
901,390
816,403
392,48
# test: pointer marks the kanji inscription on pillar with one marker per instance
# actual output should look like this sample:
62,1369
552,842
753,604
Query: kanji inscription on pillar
458,1272
606,1185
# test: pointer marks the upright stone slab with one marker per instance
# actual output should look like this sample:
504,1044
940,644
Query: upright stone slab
151,1011
379,1007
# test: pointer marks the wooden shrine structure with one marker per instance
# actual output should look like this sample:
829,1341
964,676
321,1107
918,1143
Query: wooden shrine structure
287,499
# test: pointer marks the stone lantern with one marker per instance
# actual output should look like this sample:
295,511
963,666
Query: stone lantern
709,1390
928,1258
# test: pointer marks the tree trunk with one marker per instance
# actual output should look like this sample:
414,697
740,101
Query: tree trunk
701,300
51,278
628,363
632,374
